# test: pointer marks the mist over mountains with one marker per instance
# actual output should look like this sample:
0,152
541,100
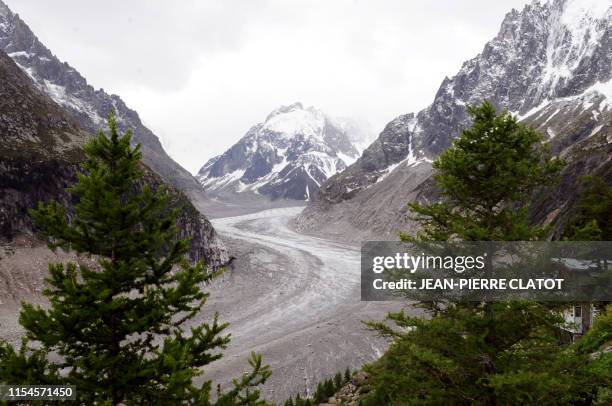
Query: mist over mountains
550,65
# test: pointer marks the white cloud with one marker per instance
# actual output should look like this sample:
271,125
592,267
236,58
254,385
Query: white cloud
200,73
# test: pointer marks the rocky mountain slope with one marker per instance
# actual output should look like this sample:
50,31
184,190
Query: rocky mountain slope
550,64
289,155
88,106
40,151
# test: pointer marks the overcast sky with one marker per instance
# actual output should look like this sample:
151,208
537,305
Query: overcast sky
200,73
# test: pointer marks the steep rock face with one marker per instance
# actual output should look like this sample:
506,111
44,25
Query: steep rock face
88,106
548,51
391,149
40,152
550,65
592,156
287,156
580,129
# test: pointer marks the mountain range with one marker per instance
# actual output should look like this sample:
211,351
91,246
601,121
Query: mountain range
47,112
89,106
550,65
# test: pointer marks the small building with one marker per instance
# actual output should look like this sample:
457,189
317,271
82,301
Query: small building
579,318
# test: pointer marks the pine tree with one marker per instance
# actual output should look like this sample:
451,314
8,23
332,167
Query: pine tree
593,222
487,179
120,329
347,375
329,388
338,381
319,395
480,353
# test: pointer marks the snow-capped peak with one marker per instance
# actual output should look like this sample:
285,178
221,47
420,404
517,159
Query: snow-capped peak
87,105
292,120
288,155
285,109
554,53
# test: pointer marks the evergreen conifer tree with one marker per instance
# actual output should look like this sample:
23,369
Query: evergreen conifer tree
319,395
487,179
124,332
347,375
593,221
481,353
329,388
338,381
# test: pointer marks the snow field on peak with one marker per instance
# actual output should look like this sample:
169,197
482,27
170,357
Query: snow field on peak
217,183
297,122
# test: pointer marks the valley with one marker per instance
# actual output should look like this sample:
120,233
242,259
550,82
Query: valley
295,299
292,297
283,198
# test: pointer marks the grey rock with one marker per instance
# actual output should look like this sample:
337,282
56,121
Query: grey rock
550,65
40,152
535,58
88,106
86,109
360,378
